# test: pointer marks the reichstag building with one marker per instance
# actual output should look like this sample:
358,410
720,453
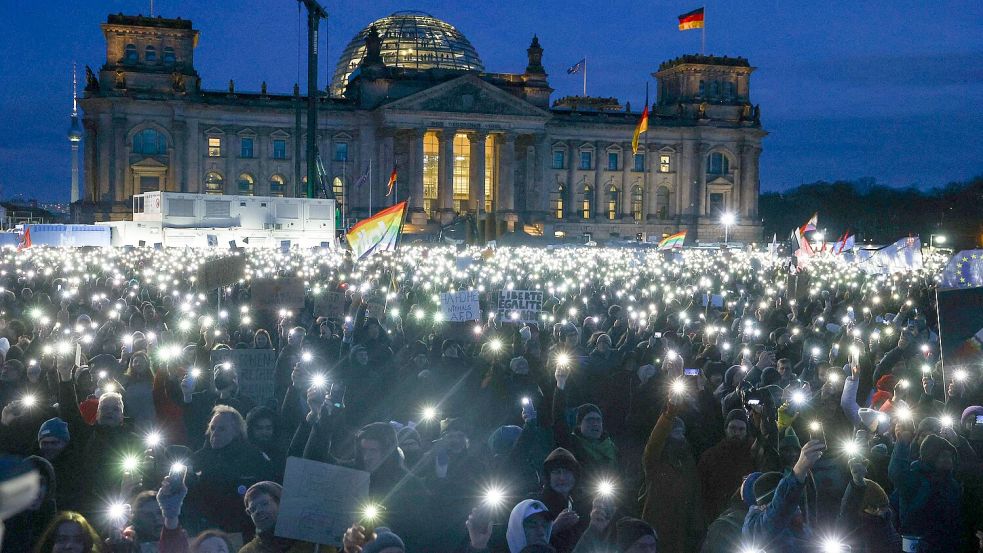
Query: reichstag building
410,91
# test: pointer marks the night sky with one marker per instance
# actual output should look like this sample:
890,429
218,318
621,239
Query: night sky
890,90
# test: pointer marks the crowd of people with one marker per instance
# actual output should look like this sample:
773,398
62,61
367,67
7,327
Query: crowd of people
686,402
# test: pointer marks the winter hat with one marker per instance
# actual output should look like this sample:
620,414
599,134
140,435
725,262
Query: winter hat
629,530
729,375
880,398
736,414
54,428
515,536
271,489
747,488
874,496
407,433
932,446
503,439
754,375
765,486
970,414
519,365
886,383
384,539
568,329
789,440
678,426
585,410
561,458
4,346
874,420
453,424
418,348
525,333
770,376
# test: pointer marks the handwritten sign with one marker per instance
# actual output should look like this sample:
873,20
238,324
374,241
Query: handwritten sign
320,501
460,306
331,305
520,305
254,367
278,293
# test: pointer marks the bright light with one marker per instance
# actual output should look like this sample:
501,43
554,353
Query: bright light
818,237
671,355
494,497
178,467
940,239
495,344
815,426
946,420
926,369
319,381
131,463
678,386
925,348
153,439
526,401
903,413
960,375
728,219
29,400
605,488
851,448
798,397
195,372
306,357
117,511
563,359
370,512
429,413
834,545
833,378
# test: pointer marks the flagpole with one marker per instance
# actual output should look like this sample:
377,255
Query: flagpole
703,33
645,167
585,76
370,187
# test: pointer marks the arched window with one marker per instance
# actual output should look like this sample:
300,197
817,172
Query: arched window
561,191
431,162
636,202
246,184
278,186
718,164
588,200
169,57
662,202
150,54
130,54
338,187
612,203
149,142
214,183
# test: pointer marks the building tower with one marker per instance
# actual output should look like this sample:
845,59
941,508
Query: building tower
75,137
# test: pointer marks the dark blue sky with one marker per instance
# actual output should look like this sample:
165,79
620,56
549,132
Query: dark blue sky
847,89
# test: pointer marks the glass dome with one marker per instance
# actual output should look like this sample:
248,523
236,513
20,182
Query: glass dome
413,40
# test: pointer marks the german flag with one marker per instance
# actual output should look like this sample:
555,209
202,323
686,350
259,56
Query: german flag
691,20
643,125
392,182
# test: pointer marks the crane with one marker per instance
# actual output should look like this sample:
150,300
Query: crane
315,13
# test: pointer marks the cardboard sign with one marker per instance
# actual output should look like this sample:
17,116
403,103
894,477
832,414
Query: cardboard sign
460,306
278,293
212,240
331,305
320,501
255,368
284,246
526,303
220,272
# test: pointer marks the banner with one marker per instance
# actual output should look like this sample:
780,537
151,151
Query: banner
527,304
964,270
460,306
255,369
320,501
331,305
903,255
220,272
278,293
961,328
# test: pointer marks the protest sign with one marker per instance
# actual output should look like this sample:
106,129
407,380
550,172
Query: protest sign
527,304
460,306
331,305
716,300
278,293
961,328
319,501
254,367
220,272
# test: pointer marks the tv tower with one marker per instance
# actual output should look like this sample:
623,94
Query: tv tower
75,136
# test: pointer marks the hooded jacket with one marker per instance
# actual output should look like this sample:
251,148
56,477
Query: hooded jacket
515,535
930,502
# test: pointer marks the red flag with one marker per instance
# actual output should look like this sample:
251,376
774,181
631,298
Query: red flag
392,182
26,240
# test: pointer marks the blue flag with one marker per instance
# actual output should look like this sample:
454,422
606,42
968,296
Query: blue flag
577,67
964,270
903,255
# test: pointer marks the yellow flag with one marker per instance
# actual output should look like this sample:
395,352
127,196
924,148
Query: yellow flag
643,125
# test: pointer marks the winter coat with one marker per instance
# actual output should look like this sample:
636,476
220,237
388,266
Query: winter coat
780,525
866,533
724,534
930,503
223,476
22,531
722,468
271,544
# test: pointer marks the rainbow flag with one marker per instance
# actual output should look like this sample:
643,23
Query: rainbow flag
379,232
673,242
691,20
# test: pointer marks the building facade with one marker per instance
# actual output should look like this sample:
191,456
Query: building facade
410,94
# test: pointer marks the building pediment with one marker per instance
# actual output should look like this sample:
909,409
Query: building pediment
148,163
467,94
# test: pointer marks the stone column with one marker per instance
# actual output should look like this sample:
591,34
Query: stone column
177,170
627,176
750,192
541,204
570,202
737,191
415,174
476,180
445,176
702,179
687,180
599,207
90,188
505,212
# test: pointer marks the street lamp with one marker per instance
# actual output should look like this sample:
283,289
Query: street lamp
933,238
727,219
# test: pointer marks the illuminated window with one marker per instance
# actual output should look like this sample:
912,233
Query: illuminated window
462,171
491,170
278,186
586,158
636,202
150,54
664,163
214,183
612,203
338,187
214,146
558,161
169,57
638,162
279,148
588,200
612,161
718,164
246,147
149,142
560,193
431,162
246,185
130,54
341,151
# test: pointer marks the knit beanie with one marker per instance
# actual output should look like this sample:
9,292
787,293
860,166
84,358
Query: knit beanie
519,365
503,439
932,446
585,410
747,488
629,530
561,458
874,496
54,428
970,413
874,420
770,376
736,414
384,539
271,489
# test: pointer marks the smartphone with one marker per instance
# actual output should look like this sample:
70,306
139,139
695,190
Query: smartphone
754,402
818,434
691,372
657,335
177,473
337,394
78,354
